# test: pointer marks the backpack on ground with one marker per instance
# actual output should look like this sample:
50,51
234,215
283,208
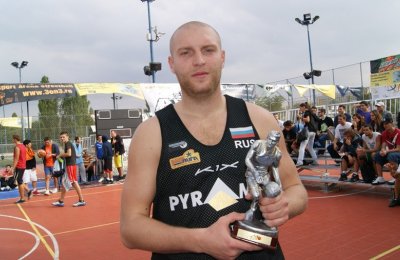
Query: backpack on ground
368,171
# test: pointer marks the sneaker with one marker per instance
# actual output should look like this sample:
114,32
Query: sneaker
299,164
394,203
47,193
3,188
19,201
354,177
35,192
8,188
391,182
122,177
343,177
378,180
110,181
101,179
30,194
80,204
55,190
58,203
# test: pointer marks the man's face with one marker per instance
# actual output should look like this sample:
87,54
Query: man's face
314,110
197,60
379,108
8,168
387,126
367,131
321,113
340,110
78,140
47,143
64,138
341,120
288,127
363,107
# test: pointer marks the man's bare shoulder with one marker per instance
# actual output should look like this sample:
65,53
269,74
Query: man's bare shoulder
262,119
148,132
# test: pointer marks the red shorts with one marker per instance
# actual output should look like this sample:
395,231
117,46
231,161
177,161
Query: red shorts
71,171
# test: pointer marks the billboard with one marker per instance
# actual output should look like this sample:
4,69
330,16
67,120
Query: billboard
385,71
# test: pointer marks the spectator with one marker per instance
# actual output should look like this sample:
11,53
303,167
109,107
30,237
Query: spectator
311,123
390,150
280,122
107,157
99,158
52,151
371,143
362,109
380,106
357,124
341,111
349,158
7,179
79,160
119,150
398,120
314,110
90,163
289,133
376,121
339,136
325,126
396,191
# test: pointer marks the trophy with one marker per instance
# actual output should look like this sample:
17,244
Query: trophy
262,176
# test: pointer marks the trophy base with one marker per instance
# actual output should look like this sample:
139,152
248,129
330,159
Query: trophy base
255,232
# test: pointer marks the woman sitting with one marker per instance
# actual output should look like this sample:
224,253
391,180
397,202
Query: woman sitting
349,159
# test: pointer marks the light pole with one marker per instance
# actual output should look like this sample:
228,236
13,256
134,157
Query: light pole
307,20
151,69
20,67
114,98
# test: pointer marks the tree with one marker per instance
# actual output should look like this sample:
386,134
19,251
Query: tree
75,115
48,114
273,103
14,114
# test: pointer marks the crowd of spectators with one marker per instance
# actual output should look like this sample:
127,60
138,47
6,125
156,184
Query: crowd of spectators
362,144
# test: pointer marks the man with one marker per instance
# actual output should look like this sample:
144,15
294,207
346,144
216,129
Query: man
325,126
370,145
280,122
311,123
70,162
79,160
30,170
7,179
339,136
390,150
362,109
107,157
380,107
119,150
49,159
341,111
19,165
289,134
194,148
99,158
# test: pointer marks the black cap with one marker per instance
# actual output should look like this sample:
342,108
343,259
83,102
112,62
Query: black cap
388,121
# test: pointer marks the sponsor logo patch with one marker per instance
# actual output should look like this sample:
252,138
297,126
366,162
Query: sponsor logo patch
242,132
177,146
187,158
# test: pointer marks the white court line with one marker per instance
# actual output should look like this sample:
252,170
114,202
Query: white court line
53,239
343,195
30,233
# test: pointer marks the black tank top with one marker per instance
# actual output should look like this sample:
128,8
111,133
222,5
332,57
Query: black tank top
197,183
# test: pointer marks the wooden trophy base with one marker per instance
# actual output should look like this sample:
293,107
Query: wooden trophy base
256,233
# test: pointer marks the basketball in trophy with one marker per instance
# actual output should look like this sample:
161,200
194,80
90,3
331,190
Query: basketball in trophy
262,177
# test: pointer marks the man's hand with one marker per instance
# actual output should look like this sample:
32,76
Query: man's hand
275,211
217,240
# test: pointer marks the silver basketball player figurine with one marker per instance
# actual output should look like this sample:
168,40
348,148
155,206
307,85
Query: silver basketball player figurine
262,175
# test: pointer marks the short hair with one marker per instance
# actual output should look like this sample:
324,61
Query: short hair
368,126
77,138
364,103
27,141
350,132
16,137
313,107
287,123
322,110
342,116
46,139
342,106
64,133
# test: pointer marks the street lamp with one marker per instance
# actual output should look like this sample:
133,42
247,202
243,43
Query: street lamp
153,67
307,20
20,67
114,98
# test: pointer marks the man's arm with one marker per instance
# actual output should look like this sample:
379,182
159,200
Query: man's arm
139,230
16,157
293,200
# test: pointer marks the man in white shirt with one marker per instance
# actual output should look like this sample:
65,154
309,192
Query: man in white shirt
339,135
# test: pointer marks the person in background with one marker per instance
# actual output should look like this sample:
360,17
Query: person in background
376,121
385,114
390,150
351,142
200,132
280,122
337,142
79,160
395,172
107,157
19,165
52,151
90,163
357,124
119,150
325,126
289,133
70,161
312,126
30,174
362,109
99,158
7,179
341,111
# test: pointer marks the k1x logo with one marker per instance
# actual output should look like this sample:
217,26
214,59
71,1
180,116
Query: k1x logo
218,167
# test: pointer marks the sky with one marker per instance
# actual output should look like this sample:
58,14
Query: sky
79,41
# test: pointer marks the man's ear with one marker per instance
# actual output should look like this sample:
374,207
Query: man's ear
171,64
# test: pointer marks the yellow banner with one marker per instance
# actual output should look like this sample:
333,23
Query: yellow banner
386,78
131,89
